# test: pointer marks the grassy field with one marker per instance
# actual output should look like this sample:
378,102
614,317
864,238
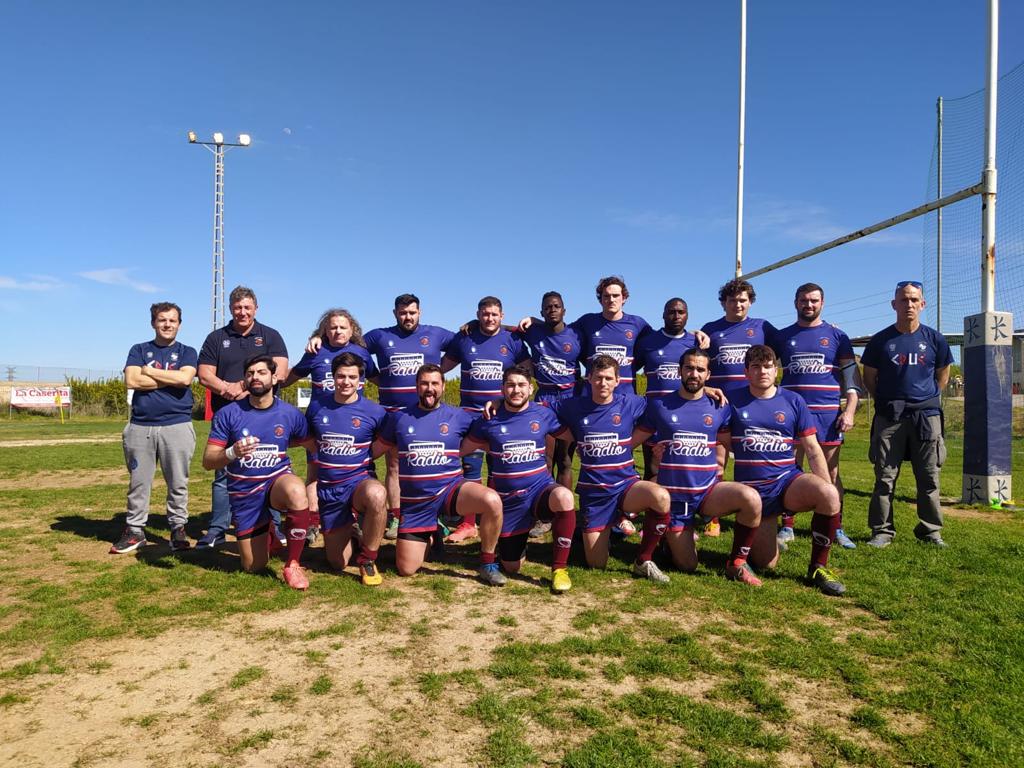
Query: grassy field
159,659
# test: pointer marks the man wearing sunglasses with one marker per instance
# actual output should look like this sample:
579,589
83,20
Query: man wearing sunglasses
906,367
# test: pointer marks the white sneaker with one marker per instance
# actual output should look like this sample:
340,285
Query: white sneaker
648,570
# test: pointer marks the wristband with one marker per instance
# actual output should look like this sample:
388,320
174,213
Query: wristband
230,453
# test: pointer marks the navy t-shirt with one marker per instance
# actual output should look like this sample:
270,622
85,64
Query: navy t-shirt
906,363
228,350
163,406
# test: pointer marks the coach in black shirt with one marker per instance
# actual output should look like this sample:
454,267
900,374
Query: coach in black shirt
222,371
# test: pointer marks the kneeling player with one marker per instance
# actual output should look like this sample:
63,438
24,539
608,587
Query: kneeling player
602,425
345,428
250,439
515,439
692,435
428,437
766,422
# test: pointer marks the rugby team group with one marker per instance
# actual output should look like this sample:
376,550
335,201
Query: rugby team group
532,396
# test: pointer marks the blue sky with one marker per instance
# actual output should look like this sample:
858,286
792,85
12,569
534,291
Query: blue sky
457,149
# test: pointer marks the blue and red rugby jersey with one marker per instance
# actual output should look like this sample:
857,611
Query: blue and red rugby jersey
428,450
615,338
764,432
729,344
658,354
278,427
516,445
483,360
555,357
603,435
399,356
809,358
317,366
344,435
689,430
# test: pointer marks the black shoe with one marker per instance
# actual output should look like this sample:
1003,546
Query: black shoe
213,538
826,581
129,542
179,540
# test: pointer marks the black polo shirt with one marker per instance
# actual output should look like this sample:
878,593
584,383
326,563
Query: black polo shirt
228,350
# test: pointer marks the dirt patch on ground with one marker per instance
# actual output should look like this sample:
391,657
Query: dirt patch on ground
65,478
59,441
973,513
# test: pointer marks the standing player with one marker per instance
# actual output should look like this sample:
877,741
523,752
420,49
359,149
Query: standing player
818,364
766,422
160,372
249,439
555,356
345,428
730,337
906,367
427,438
515,438
692,434
602,424
658,354
339,332
400,351
221,368
483,353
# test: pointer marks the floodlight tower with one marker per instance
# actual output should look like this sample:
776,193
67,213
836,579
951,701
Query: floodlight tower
218,146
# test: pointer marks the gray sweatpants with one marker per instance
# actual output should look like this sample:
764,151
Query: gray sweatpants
173,447
891,443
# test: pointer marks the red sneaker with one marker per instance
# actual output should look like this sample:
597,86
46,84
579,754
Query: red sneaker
295,577
466,530
742,573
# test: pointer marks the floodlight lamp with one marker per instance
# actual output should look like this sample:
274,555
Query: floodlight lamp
218,138
244,139
192,139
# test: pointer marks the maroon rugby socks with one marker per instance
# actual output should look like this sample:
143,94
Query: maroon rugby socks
655,525
562,528
823,533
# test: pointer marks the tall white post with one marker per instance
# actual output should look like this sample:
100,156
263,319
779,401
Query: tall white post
742,132
988,176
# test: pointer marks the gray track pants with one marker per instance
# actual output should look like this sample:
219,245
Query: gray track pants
173,447
891,443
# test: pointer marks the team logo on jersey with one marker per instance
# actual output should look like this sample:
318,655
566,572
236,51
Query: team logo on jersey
257,341
668,371
174,355
803,363
324,419
486,370
278,430
750,332
765,441
405,363
503,429
149,354
629,334
596,445
673,418
503,349
356,422
443,428
535,426
731,354
264,456
708,419
823,342
411,429
616,419
424,341
913,358
245,432
615,351
555,366
567,347
335,444
780,417
518,451
423,453
226,343
391,343
922,346
892,347
686,443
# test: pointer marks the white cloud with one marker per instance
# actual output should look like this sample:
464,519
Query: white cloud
286,131
118,276
811,223
658,221
34,283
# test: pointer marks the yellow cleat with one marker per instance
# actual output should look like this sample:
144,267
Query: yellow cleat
370,575
713,529
560,581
